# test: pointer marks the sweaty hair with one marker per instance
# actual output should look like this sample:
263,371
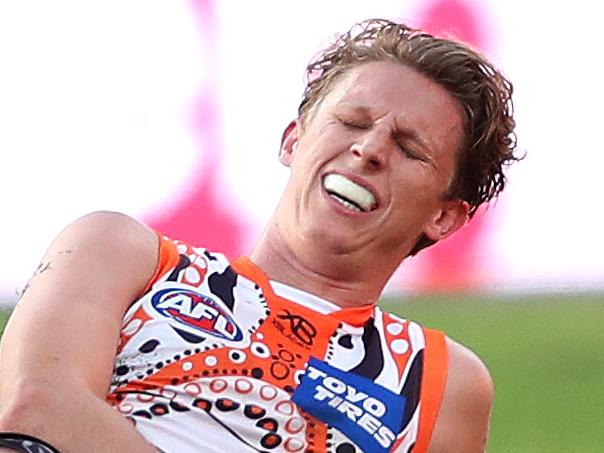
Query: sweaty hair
483,93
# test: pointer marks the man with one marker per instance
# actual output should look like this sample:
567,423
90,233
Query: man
401,136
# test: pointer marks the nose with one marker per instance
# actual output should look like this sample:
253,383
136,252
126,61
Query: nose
372,148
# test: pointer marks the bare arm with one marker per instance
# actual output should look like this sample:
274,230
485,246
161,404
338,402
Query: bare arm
57,352
462,425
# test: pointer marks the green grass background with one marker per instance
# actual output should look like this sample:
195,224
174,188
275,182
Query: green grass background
546,355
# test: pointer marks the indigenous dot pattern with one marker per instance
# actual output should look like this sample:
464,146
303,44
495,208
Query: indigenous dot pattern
240,391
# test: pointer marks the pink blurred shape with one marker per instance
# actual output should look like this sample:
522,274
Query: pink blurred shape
456,264
204,214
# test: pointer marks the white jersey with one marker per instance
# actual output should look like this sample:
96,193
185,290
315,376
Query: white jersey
215,357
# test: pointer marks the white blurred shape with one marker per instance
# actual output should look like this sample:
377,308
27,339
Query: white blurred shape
94,106
549,235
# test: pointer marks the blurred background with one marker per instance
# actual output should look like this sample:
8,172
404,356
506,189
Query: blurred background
172,112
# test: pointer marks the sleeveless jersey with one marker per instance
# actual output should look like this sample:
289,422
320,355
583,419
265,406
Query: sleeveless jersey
215,357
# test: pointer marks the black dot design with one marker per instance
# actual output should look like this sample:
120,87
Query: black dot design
254,327
178,407
257,373
261,350
253,411
149,346
345,341
143,414
271,440
202,403
227,405
159,409
345,448
330,345
269,424
122,370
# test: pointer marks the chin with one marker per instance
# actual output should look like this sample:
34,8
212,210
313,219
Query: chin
334,241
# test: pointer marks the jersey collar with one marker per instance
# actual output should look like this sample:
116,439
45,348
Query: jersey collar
356,316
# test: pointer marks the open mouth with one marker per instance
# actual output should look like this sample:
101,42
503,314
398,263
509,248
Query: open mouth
348,193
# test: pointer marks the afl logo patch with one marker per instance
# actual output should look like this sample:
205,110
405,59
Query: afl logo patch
198,311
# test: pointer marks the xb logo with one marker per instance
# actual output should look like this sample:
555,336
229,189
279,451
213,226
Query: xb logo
300,327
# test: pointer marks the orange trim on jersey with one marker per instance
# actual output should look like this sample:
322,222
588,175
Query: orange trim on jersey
168,257
436,364
355,316
248,269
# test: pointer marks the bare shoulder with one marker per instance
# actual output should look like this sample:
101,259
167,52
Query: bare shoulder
92,271
106,228
107,244
58,348
463,421
108,236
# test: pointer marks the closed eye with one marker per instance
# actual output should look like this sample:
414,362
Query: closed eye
354,123
410,153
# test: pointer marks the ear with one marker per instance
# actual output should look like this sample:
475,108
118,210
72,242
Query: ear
289,142
452,216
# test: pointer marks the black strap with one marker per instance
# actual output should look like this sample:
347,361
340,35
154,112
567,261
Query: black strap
25,443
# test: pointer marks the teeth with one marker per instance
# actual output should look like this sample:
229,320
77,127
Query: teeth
349,193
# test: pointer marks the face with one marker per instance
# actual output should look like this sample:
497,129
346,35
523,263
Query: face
370,167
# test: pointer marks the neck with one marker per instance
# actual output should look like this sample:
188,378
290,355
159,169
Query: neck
346,280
